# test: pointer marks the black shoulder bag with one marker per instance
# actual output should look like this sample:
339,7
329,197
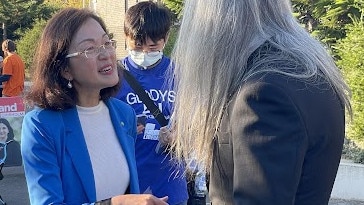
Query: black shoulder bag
143,96
135,85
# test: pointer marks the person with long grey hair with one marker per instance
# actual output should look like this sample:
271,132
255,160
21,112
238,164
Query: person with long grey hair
259,103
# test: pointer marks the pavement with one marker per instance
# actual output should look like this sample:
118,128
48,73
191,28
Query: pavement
14,191
13,188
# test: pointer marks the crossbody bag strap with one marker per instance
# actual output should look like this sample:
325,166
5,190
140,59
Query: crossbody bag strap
135,85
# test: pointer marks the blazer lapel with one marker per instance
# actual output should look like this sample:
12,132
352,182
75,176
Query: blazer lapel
77,149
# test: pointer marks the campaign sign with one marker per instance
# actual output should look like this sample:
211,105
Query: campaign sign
12,111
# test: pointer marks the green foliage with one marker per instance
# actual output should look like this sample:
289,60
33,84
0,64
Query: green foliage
351,52
27,44
326,19
70,3
307,12
24,21
19,15
171,40
176,6
353,152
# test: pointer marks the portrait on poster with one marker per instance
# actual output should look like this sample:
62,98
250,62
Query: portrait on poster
12,111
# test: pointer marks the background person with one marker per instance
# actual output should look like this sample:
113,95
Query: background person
1,71
13,157
1,63
13,72
146,28
262,103
78,143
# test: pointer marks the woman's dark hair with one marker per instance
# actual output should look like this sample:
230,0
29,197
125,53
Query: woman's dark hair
147,19
49,89
11,131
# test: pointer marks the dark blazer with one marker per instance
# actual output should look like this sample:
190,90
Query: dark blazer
279,143
57,165
13,157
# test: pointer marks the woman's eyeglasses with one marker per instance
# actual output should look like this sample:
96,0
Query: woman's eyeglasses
108,46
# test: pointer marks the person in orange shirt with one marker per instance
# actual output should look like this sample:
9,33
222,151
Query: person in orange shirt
1,71
13,71
1,63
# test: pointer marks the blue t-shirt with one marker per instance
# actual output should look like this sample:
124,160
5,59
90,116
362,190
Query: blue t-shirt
157,174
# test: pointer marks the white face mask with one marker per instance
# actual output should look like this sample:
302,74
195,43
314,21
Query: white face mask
145,59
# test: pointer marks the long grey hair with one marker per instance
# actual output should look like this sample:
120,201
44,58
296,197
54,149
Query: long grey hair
215,41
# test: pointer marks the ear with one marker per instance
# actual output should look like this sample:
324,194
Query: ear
66,74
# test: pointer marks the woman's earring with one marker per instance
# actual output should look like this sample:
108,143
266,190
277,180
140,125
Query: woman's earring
69,84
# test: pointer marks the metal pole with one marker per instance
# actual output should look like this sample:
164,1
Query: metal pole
4,31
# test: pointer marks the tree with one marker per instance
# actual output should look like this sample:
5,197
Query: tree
28,41
19,15
326,19
307,13
27,44
70,3
19,18
171,41
351,62
176,6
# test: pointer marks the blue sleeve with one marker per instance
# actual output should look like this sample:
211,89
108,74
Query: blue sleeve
39,154
4,78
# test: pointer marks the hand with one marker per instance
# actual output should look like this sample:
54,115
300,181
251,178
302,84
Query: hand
165,136
140,128
138,199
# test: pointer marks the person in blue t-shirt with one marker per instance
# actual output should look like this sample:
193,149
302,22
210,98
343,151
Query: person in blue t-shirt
146,28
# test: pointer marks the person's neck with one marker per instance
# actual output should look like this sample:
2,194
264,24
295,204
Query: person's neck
8,53
87,101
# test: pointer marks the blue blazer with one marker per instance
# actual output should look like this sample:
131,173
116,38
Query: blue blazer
57,165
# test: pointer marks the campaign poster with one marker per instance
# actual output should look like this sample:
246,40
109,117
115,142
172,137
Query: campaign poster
12,111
